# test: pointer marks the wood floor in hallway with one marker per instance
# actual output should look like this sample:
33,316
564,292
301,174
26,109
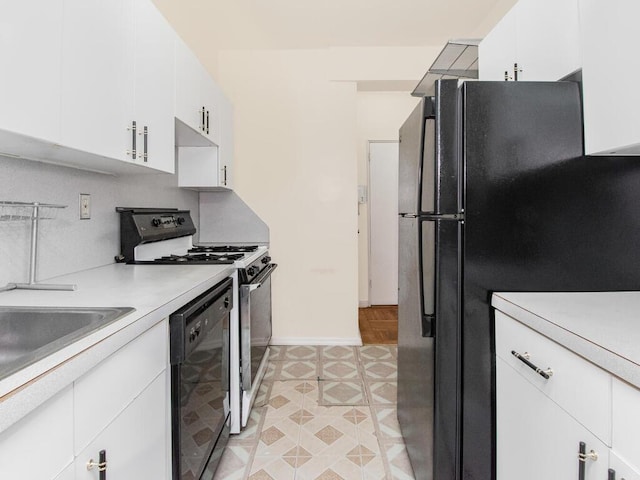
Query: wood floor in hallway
379,324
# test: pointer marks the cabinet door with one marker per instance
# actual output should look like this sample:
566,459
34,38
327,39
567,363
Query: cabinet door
610,71
623,471
626,422
30,52
211,97
154,87
537,439
548,39
190,77
135,442
97,77
497,52
103,392
39,446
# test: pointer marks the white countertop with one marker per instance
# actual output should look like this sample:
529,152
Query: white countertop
155,291
603,327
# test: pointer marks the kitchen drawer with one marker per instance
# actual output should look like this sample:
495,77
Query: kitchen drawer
626,422
578,386
105,391
622,469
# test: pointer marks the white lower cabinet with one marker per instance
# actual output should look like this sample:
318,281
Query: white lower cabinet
121,406
39,446
135,442
68,473
541,422
537,439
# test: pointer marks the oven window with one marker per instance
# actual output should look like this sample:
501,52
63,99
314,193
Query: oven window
260,324
203,402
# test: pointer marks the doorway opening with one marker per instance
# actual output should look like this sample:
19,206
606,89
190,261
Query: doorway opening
379,322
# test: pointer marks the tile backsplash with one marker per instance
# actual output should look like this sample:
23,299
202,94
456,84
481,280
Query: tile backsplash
66,243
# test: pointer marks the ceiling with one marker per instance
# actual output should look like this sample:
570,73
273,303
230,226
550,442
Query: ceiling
285,24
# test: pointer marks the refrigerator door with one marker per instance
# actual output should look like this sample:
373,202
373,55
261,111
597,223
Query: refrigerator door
519,140
417,157
415,352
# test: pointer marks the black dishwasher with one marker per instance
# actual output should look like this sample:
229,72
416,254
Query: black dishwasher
199,339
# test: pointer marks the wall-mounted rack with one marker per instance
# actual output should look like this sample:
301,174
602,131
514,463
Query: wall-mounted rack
34,211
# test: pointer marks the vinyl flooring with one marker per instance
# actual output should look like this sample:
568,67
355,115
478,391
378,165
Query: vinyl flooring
379,325
322,413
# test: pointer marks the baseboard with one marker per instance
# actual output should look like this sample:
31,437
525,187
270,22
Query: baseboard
357,341
364,304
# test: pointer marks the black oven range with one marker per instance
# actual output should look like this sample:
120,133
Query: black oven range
164,236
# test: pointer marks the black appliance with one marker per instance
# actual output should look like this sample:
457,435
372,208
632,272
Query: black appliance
200,415
495,195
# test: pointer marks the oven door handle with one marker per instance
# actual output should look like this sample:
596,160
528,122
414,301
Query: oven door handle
257,282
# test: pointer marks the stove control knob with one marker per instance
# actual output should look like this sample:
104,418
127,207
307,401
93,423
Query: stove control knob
156,222
266,259
181,220
252,271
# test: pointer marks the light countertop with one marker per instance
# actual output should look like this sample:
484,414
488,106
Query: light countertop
603,327
155,291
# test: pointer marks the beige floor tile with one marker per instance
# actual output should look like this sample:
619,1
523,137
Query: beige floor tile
300,352
296,370
376,352
382,392
349,392
338,352
387,419
329,468
380,369
328,436
399,464
374,469
271,468
278,436
234,463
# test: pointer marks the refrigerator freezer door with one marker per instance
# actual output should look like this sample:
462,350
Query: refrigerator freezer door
415,356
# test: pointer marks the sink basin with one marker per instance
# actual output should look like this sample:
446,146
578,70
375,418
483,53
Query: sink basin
28,334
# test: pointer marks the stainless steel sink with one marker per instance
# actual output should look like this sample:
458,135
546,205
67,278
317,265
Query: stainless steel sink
28,334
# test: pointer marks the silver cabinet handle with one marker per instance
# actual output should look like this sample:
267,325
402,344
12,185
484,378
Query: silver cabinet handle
133,129
145,139
207,122
202,114
224,181
524,358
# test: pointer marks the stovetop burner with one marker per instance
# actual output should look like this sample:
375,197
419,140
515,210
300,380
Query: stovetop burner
223,248
200,258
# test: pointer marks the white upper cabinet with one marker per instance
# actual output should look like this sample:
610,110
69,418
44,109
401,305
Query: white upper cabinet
196,98
541,37
154,87
497,51
118,81
610,69
30,51
97,77
204,126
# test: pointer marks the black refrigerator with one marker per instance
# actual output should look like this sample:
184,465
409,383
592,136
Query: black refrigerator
495,195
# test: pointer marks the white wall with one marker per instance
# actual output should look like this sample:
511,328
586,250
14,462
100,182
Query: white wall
66,243
300,133
294,165
380,115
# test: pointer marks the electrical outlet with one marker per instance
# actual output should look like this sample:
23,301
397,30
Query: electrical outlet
85,206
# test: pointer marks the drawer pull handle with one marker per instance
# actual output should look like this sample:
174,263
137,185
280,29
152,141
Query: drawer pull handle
583,456
101,465
524,358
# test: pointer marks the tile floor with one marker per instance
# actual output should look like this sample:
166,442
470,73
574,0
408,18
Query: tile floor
322,413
